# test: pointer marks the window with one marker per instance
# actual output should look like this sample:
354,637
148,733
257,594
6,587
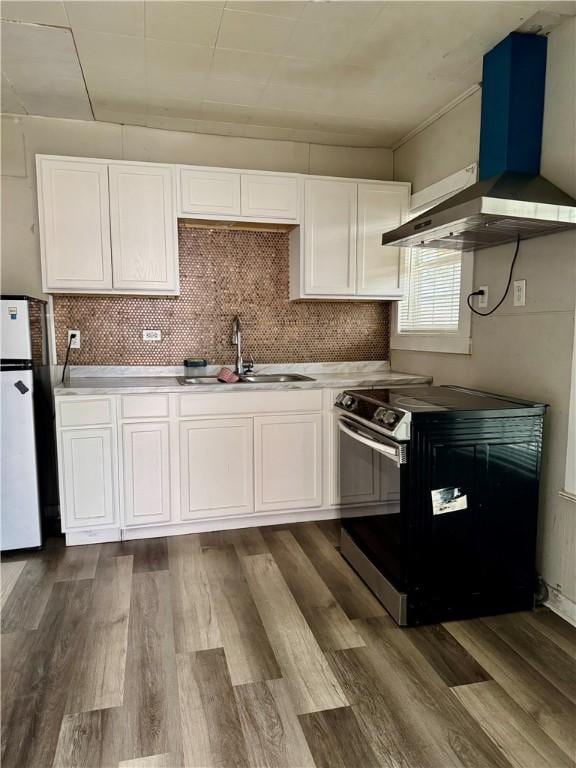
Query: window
432,289
433,316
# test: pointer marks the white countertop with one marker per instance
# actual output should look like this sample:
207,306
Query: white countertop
112,380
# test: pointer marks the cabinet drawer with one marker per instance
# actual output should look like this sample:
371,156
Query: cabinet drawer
144,406
85,413
250,402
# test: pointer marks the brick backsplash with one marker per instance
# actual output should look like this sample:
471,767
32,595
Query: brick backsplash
223,273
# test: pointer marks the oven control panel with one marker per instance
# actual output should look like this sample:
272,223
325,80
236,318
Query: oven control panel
387,420
385,417
346,401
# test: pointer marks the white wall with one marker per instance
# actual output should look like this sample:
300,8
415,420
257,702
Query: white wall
522,351
24,137
446,146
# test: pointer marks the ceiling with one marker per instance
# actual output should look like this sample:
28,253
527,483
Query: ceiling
357,73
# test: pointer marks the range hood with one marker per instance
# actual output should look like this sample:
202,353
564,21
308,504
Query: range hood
499,210
511,200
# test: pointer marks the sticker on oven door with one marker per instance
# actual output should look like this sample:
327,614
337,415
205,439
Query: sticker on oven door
13,313
448,500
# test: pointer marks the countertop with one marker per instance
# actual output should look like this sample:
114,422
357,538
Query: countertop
111,380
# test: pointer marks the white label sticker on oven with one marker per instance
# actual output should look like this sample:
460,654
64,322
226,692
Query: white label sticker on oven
448,500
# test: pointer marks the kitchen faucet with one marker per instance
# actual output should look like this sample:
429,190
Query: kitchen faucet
237,340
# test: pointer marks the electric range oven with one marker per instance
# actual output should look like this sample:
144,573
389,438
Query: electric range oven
451,531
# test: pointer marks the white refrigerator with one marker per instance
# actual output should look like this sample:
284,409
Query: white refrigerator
24,422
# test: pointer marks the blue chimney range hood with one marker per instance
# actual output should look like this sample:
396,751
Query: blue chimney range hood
511,200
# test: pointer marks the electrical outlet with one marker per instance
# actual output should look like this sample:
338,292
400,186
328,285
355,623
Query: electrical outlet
519,293
152,335
76,340
483,300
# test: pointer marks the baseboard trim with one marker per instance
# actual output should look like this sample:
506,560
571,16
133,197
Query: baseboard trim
93,536
226,524
561,605
101,535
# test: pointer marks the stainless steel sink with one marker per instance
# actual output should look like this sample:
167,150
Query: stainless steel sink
273,378
192,380
251,378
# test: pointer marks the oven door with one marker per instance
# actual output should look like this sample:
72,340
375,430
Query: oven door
374,533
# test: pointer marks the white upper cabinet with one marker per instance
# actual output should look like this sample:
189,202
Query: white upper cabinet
381,207
330,237
269,196
238,195
107,227
206,192
74,225
339,254
143,225
111,227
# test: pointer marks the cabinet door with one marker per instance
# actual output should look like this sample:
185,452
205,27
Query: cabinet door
146,476
74,225
87,479
330,237
216,468
380,208
357,476
274,197
143,225
288,461
209,192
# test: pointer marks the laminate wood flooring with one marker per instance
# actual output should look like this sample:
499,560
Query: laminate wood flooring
261,648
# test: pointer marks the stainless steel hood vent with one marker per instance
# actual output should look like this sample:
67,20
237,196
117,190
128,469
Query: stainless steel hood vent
491,212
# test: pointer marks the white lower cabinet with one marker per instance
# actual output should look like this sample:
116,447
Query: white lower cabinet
140,465
216,468
357,478
288,461
146,473
88,478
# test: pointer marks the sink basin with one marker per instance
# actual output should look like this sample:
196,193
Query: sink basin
273,378
252,378
190,380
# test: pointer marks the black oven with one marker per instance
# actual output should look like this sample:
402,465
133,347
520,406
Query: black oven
447,527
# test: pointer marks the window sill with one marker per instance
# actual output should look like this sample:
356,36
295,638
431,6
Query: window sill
460,345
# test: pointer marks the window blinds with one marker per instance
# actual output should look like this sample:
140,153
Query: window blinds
432,289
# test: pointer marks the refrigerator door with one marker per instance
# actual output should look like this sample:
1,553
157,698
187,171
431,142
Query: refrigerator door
15,342
20,511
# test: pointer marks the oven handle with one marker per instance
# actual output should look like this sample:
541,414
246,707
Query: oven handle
395,454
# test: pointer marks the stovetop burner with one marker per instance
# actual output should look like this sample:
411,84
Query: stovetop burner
430,398
391,411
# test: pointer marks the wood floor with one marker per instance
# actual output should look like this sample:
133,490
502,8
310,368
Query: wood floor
261,648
